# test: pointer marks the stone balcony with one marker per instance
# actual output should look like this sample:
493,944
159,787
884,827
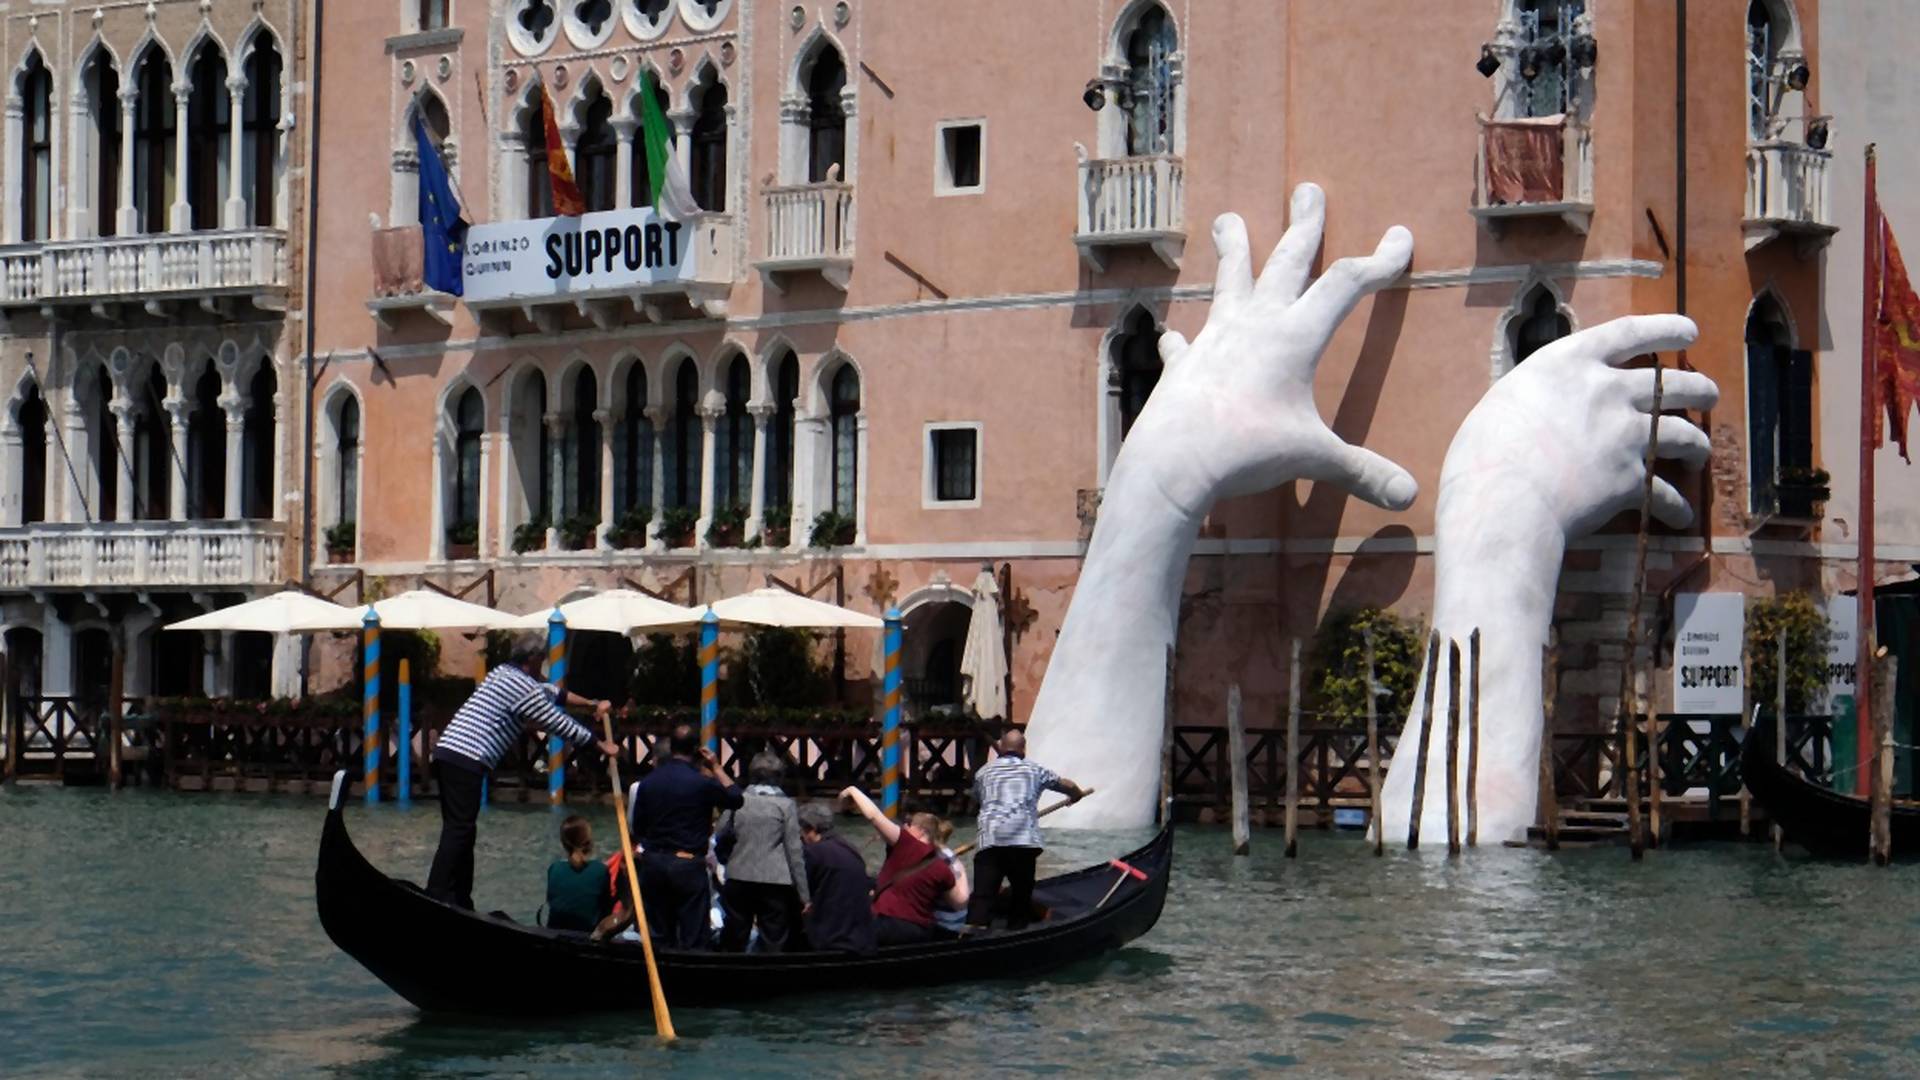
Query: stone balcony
1533,167
1131,202
810,229
150,270
1787,195
141,555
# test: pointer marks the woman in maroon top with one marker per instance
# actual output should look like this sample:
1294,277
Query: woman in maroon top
914,879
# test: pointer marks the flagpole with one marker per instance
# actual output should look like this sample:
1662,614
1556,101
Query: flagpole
1871,287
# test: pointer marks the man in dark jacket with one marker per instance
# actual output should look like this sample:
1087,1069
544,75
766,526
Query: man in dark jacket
673,821
840,916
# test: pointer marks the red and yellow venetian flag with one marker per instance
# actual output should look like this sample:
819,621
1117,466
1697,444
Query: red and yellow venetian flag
1896,344
567,200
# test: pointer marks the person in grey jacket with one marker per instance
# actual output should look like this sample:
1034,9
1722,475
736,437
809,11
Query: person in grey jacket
766,872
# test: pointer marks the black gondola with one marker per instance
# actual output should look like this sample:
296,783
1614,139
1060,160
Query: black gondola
445,959
1826,822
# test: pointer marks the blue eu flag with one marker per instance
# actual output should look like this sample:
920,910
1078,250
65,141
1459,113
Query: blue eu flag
441,225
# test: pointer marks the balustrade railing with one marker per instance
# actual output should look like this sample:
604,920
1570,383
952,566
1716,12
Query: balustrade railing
1132,197
1787,184
808,223
140,554
143,267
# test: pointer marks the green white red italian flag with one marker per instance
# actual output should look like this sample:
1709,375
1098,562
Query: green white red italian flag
666,173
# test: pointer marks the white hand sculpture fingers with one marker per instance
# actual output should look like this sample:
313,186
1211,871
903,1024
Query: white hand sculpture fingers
1681,441
1688,390
1233,281
1362,472
1173,347
1617,341
1329,300
1670,508
1287,268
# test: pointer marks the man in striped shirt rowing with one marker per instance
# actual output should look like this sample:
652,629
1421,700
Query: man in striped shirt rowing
1009,789
511,699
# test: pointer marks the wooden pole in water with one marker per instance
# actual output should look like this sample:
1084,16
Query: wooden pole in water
1373,751
1630,752
9,716
1473,741
662,1020
1654,729
116,707
1779,721
1453,748
1237,750
1293,751
1884,676
1550,690
1426,738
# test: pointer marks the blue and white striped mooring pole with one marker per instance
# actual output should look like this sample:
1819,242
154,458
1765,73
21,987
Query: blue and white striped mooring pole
403,739
890,725
370,704
710,681
557,675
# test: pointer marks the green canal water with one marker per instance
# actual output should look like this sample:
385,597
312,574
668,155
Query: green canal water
158,934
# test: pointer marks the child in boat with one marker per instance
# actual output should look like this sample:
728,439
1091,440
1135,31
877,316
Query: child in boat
579,896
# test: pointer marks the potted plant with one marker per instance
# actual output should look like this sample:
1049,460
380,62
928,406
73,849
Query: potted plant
676,525
1801,492
831,529
776,531
576,532
728,526
630,530
341,538
463,540
530,536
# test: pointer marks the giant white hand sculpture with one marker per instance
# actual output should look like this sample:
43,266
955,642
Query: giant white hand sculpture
1232,414
1556,448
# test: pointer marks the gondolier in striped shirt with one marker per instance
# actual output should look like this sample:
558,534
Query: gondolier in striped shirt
510,700
1008,789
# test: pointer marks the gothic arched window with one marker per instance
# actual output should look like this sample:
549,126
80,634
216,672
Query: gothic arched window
1539,324
845,420
36,151
1136,366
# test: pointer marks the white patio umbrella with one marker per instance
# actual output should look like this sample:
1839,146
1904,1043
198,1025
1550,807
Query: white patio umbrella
289,611
778,607
983,661
619,611
424,609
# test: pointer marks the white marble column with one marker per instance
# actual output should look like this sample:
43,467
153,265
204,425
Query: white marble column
54,476
488,455
124,492
127,216
709,423
75,461
623,130
682,120
809,461
437,506
657,415
80,174
177,468
404,197
10,191
10,475
56,654
233,214
556,478
181,214
513,176
235,477
607,422
757,500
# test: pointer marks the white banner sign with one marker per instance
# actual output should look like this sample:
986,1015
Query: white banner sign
1843,614
1708,667
560,256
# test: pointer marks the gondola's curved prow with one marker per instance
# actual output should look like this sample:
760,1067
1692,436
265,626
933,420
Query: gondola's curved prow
446,959
1827,823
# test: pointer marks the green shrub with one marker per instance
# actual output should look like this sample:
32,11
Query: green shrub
576,532
1336,678
630,531
341,537
530,536
832,529
676,525
727,525
1805,624
464,534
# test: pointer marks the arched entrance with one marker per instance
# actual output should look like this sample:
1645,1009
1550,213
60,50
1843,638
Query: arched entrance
931,643
92,666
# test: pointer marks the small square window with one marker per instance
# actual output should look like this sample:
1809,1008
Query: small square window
960,152
953,465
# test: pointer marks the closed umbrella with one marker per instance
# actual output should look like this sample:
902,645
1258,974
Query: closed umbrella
983,661
619,611
778,607
289,611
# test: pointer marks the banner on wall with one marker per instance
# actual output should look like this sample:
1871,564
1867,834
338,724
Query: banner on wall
543,258
1709,665
1843,653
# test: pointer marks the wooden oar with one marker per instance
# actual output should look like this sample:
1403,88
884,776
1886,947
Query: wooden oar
662,1022
971,844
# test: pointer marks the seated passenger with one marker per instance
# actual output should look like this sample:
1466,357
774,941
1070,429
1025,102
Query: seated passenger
914,880
839,917
579,896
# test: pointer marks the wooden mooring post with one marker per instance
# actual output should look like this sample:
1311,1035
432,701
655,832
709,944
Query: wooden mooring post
1293,751
1453,748
1779,722
1373,751
1630,754
9,720
1473,741
116,707
1885,670
1237,771
1426,737
1653,759
1549,690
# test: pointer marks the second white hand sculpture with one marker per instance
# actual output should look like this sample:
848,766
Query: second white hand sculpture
1232,414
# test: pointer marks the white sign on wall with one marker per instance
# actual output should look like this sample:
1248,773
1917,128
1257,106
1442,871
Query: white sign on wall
1709,673
561,256
1843,614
